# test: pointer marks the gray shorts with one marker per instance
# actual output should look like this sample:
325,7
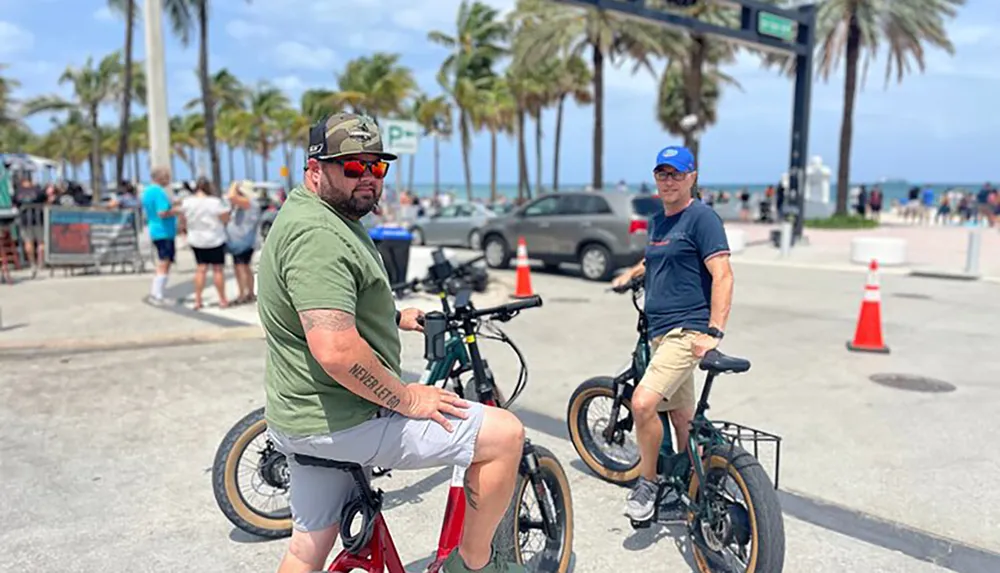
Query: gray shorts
392,441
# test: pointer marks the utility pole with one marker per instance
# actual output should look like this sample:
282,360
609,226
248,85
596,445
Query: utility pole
156,86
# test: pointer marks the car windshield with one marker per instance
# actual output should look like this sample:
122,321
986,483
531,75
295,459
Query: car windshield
647,206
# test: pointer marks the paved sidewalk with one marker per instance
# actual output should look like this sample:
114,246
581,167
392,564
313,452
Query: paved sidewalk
927,247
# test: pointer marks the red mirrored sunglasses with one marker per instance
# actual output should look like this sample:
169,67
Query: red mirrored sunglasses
355,168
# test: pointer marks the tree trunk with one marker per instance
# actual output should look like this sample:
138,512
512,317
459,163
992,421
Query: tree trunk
137,174
126,94
96,162
437,165
493,167
207,97
409,183
463,121
232,170
598,62
538,151
555,150
694,79
288,165
523,188
847,123
264,156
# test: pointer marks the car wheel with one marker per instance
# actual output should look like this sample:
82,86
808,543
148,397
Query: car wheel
595,262
496,251
475,240
418,236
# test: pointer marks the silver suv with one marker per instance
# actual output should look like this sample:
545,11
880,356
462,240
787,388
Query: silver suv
601,231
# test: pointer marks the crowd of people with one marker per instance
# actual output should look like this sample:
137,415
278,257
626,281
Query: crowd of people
212,228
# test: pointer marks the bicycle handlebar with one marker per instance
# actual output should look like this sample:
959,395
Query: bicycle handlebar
633,285
430,281
504,310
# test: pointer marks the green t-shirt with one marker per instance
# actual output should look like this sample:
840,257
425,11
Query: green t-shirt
314,258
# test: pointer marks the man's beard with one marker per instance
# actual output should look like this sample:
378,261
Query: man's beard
348,203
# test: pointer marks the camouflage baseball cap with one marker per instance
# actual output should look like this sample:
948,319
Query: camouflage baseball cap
345,134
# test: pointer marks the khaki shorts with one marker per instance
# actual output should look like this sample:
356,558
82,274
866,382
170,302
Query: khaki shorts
670,372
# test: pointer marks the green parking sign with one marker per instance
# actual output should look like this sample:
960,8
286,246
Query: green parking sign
400,136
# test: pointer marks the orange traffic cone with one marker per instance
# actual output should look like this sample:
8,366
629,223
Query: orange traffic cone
868,335
523,289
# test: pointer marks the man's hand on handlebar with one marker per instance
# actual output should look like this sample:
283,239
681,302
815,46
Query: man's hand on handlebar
411,319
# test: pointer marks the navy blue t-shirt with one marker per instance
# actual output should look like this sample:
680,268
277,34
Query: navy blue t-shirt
678,284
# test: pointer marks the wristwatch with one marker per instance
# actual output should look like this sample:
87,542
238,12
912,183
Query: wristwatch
715,332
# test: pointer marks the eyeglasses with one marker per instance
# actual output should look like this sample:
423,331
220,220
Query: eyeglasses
663,175
355,168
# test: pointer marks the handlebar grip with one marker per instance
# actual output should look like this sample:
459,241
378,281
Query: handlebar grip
530,302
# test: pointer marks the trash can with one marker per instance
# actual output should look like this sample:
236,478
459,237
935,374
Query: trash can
393,243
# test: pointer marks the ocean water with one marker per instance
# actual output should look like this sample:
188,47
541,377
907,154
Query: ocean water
893,189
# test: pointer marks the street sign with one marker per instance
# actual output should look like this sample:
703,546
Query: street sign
400,136
775,26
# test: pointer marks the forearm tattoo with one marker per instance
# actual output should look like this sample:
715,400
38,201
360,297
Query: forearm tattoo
370,381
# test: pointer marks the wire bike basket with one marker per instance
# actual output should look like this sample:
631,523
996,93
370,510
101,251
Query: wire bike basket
750,440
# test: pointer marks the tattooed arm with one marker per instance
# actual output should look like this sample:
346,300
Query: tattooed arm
335,343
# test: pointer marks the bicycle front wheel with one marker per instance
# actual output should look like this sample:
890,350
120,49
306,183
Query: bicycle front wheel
588,416
746,531
521,535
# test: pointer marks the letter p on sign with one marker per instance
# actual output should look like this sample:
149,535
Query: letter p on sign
401,136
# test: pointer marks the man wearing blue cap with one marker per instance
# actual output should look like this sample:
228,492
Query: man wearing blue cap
689,288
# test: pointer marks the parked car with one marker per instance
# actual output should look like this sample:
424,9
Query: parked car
458,225
270,196
601,231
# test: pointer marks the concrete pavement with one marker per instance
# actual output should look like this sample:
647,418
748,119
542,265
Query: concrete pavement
109,452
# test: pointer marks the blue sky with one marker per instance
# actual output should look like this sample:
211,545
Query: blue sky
941,126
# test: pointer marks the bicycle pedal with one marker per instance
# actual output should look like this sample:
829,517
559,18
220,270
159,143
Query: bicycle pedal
641,524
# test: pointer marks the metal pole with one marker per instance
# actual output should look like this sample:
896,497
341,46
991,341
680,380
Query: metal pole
156,86
786,238
972,254
800,115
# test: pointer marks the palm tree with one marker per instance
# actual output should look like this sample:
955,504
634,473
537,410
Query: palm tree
92,88
376,85
291,127
495,114
265,103
548,29
434,116
674,104
571,78
855,27
476,45
9,116
128,9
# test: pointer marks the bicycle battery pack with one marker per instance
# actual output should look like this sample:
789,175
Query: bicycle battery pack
435,329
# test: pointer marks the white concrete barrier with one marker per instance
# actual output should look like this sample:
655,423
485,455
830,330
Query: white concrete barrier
888,251
737,239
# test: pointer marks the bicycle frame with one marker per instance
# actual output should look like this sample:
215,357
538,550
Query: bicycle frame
380,554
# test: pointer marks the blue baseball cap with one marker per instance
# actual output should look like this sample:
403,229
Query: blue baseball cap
680,158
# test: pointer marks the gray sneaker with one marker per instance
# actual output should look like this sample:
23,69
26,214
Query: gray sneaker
641,501
454,564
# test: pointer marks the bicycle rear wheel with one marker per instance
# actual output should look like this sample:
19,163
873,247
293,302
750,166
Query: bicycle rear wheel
521,537
250,480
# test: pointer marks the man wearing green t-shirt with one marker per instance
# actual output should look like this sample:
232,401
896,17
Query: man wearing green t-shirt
333,361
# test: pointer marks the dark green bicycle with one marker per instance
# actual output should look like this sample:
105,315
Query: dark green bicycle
727,500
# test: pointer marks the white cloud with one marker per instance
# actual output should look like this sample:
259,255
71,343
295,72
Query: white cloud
243,30
291,85
14,39
296,55
104,14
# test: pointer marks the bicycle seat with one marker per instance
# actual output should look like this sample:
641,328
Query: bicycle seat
718,363
325,463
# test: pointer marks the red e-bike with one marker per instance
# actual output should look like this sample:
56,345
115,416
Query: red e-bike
541,509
